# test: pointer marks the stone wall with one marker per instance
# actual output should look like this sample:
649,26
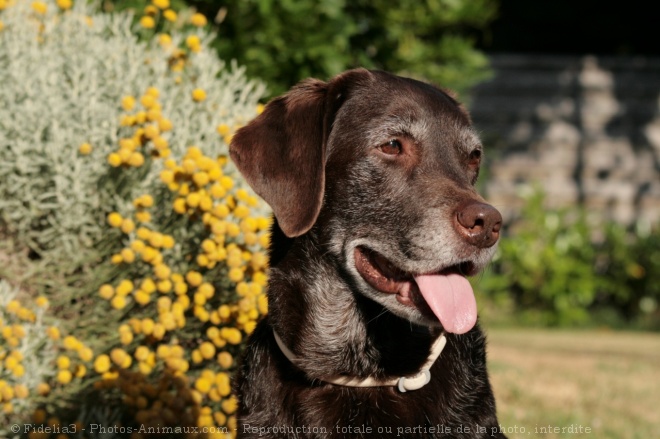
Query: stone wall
585,129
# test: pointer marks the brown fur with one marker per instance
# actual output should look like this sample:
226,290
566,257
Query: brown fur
313,156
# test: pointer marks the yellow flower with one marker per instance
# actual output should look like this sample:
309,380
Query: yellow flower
147,326
232,335
150,254
193,42
118,356
63,362
233,230
179,205
193,199
198,20
53,332
41,302
229,406
6,393
167,176
168,241
151,10
152,91
164,125
148,285
127,103
72,343
118,302
194,278
18,331
115,219
180,288
64,4
165,286
141,353
143,233
102,363
40,7
147,22
201,178
140,117
148,101
250,326
241,211
203,385
18,371
251,238
248,225
43,389
142,297
162,4
225,360
143,216
126,338
159,331
86,354
227,182
155,239
80,371
198,95
127,255
124,287
64,376
171,16
128,144
223,129
127,225
85,149
164,39
207,350
160,143
136,159
162,271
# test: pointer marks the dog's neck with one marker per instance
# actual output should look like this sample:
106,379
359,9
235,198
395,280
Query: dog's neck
331,328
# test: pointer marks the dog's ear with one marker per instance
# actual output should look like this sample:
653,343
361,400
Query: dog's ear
281,153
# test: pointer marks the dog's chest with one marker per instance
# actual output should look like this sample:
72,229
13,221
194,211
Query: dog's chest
372,412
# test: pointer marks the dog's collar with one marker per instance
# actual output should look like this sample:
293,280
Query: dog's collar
404,384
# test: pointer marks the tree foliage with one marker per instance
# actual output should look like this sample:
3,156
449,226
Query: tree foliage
284,41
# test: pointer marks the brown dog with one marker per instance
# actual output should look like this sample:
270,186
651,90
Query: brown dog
371,181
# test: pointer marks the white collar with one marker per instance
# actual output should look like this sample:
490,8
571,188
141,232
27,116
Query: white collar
404,384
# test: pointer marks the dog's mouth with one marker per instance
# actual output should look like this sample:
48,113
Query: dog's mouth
445,295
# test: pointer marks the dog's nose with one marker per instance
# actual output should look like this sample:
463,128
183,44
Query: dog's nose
478,223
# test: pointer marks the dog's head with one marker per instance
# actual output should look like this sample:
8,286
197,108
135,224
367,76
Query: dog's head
382,168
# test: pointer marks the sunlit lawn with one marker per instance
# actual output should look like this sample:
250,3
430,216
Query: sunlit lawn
606,381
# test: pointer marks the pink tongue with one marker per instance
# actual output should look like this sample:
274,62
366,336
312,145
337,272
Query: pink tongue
451,299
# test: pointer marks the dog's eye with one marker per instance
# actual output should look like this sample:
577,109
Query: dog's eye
393,147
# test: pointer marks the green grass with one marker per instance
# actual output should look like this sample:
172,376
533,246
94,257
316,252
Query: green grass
606,381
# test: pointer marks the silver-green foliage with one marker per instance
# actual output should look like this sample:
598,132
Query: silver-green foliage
62,77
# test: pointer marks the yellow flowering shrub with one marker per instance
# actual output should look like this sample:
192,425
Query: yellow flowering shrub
149,250
26,352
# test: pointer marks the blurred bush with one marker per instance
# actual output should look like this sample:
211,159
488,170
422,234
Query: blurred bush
566,268
284,41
